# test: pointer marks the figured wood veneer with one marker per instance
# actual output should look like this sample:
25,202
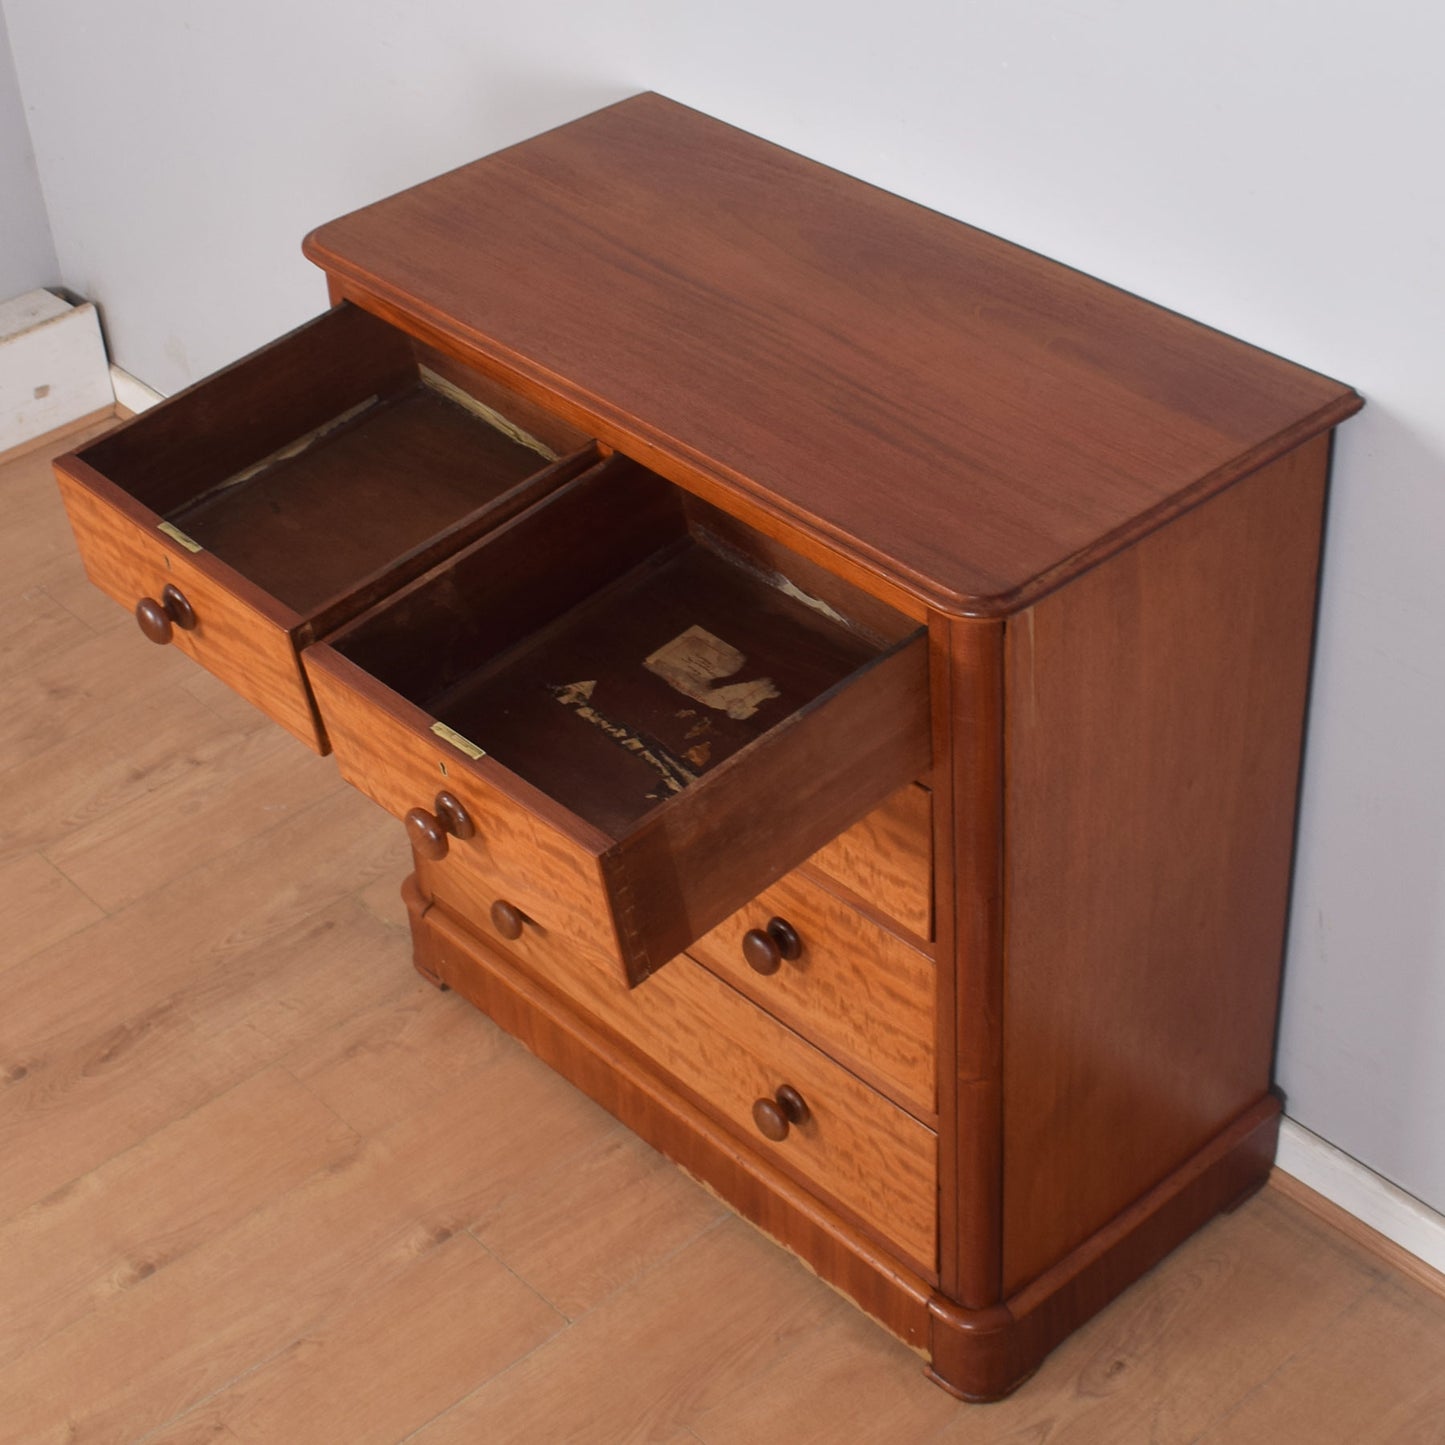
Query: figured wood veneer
246,644
869,1157
885,861
860,992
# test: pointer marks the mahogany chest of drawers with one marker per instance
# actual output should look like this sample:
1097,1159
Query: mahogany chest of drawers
843,677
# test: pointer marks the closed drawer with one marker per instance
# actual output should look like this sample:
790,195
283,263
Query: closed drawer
886,860
856,990
274,500
855,1149
655,724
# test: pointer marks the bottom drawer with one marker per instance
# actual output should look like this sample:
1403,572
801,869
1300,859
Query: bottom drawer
851,1145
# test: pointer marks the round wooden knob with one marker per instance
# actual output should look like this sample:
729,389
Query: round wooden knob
429,831
453,817
158,618
775,1116
507,920
426,833
153,620
766,948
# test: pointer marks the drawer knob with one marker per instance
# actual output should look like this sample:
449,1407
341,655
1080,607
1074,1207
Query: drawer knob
775,1116
508,920
157,618
429,832
766,948
453,817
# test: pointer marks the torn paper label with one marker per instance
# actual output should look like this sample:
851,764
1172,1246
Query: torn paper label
694,662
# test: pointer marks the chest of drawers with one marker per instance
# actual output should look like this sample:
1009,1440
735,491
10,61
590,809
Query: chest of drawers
843,678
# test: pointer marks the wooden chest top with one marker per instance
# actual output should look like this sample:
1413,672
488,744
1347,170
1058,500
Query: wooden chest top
959,414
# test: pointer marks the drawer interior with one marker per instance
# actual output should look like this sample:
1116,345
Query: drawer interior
620,643
313,466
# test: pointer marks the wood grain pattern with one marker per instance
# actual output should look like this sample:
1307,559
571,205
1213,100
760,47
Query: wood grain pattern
863,996
568,1393
886,860
969,699
59,1268
39,906
536,857
818,354
611,1072
1154,714
1389,1399
249,649
390,1360
876,1161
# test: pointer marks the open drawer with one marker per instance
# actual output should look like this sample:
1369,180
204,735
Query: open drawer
621,715
264,506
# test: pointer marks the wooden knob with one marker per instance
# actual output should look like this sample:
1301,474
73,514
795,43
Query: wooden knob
429,831
158,618
426,833
453,817
507,920
775,1116
153,620
766,948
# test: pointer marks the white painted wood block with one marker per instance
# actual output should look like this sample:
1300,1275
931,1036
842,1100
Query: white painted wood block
53,368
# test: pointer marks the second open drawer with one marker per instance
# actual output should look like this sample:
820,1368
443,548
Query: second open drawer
623,711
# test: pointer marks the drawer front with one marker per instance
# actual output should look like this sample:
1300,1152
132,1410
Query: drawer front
887,860
513,856
855,1148
856,990
129,560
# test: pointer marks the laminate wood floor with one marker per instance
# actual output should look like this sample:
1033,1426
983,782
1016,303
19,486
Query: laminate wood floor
258,1182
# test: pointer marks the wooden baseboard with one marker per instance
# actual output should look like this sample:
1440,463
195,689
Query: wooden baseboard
1396,1256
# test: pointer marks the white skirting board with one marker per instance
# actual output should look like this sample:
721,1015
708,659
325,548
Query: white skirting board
53,368
132,393
1373,1200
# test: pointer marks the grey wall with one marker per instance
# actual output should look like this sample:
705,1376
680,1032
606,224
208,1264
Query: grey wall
1269,167
27,253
